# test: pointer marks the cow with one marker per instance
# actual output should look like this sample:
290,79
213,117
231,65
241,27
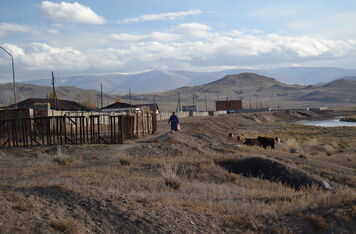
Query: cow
240,138
252,142
230,136
266,141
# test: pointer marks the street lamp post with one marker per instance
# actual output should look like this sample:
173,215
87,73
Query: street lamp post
13,75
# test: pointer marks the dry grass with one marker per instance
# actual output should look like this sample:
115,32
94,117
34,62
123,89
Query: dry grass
66,226
292,146
191,184
317,221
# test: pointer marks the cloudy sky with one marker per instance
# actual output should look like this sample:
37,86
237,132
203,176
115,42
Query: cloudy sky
128,36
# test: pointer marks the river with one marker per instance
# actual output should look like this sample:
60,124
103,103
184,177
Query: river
334,122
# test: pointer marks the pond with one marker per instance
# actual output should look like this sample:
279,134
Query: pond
334,122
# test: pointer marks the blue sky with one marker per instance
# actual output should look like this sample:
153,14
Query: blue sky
98,37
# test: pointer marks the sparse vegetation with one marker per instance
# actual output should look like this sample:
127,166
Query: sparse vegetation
63,160
163,180
125,162
65,226
317,221
172,182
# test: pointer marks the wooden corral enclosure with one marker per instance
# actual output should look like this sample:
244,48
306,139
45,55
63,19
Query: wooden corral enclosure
90,129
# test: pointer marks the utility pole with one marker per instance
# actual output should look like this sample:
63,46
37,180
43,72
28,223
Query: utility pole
101,95
178,103
256,101
193,100
206,104
54,92
249,98
13,75
130,96
278,101
154,98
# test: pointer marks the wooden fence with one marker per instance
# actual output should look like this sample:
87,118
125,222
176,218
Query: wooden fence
92,129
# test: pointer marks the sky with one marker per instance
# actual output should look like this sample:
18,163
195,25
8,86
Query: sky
131,36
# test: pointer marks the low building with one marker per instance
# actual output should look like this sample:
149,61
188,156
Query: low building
190,108
122,106
49,103
228,105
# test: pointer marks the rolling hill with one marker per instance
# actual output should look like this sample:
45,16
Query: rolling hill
256,91
25,91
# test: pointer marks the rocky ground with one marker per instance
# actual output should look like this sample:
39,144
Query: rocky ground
176,182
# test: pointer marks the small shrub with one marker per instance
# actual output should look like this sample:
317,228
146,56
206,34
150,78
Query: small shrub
63,160
292,145
317,221
172,183
329,150
66,226
303,156
125,162
292,150
23,206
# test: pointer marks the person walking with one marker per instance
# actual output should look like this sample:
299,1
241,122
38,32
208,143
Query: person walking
174,122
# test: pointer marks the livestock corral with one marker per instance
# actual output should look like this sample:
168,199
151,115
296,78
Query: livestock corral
75,128
195,180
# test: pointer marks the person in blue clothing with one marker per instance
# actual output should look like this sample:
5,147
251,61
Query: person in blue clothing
174,122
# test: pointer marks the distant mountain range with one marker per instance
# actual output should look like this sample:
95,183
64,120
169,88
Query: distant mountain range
155,81
254,89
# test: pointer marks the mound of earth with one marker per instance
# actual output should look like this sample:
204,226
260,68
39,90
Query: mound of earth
273,171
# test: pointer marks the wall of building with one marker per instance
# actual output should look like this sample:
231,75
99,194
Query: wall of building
228,105
16,114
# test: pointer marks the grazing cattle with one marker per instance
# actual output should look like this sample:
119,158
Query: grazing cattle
266,141
252,142
230,136
240,138
277,139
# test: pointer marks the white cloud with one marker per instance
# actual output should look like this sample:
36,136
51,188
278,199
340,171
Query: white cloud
70,12
130,52
126,37
6,28
193,27
53,31
14,50
162,16
42,56
155,36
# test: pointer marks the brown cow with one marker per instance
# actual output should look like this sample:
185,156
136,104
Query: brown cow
252,142
266,141
240,138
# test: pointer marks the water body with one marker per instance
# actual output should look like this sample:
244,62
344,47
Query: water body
334,122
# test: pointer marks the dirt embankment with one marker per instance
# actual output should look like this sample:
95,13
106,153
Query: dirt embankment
172,182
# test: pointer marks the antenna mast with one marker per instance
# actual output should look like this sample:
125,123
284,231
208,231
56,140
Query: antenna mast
178,103
101,95
54,92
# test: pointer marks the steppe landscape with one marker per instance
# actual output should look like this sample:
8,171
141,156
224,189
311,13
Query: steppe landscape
184,181
90,96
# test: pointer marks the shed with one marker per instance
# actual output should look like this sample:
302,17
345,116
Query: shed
229,105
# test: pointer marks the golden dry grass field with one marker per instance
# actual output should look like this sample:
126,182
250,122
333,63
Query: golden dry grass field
173,182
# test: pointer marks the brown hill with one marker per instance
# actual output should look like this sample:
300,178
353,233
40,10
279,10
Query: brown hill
24,91
256,90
